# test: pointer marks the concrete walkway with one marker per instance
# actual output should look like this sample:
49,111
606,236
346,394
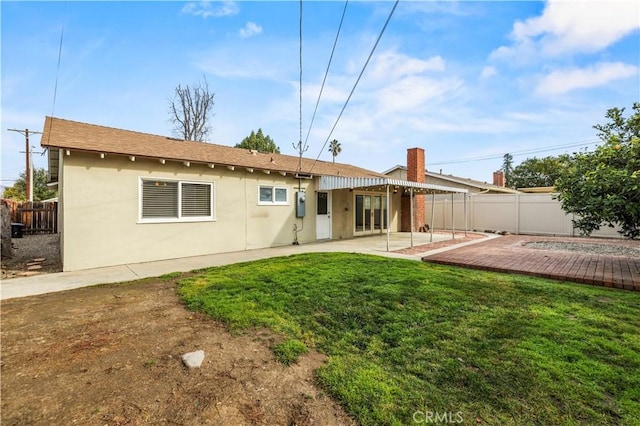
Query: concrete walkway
48,283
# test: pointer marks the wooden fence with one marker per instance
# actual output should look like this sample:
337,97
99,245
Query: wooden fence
37,217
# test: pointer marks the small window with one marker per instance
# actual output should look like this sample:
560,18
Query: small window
266,194
273,195
163,200
281,195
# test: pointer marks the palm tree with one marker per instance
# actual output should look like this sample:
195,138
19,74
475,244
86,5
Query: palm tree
335,149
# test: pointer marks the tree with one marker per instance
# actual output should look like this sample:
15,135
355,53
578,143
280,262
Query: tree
507,168
534,172
190,111
40,189
335,149
603,186
259,142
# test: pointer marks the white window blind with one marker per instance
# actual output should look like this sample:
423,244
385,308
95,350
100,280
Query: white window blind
196,199
159,199
163,200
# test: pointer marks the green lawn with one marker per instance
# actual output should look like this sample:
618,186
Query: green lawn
407,340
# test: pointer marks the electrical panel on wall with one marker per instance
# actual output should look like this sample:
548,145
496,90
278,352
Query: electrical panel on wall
300,203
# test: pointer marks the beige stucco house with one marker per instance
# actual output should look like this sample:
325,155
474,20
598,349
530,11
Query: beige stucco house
128,197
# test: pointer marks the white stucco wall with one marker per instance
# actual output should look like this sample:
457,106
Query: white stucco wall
99,199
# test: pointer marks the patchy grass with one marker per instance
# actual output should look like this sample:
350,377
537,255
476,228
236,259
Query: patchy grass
407,339
288,351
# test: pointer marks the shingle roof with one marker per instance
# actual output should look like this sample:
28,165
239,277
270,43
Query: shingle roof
470,182
72,135
460,180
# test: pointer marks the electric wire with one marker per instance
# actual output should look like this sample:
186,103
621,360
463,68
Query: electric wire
335,43
518,153
357,81
55,88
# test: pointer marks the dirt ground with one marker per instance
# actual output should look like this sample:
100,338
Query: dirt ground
111,355
45,248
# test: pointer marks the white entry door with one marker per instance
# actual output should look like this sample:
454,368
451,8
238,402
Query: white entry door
323,215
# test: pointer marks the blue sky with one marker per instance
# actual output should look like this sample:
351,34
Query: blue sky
464,80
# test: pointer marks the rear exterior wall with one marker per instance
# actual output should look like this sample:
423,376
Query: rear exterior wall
101,225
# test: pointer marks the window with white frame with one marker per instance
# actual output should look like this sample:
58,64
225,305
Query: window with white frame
273,194
171,200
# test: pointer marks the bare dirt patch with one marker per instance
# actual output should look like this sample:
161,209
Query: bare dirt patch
111,355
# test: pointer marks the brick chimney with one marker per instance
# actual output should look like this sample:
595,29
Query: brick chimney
498,178
415,173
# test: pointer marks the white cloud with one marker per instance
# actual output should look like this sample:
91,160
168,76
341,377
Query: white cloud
563,81
414,94
487,72
207,9
250,29
572,27
390,65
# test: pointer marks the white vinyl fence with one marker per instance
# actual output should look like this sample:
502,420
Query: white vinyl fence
534,214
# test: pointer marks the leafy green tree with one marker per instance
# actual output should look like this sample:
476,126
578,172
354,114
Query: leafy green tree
603,186
534,172
40,189
507,168
335,149
259,142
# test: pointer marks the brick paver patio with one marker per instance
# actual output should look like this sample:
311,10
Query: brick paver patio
509,254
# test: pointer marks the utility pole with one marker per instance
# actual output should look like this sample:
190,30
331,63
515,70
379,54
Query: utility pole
29,168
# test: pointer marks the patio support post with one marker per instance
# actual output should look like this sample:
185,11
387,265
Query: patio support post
465,215
433,206
411,209
453,228
388,224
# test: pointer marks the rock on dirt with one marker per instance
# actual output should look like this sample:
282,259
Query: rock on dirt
193,359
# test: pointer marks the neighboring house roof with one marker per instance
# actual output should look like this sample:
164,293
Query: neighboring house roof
459,180
72,135
538,189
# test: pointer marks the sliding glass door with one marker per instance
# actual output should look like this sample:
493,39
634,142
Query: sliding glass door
370,213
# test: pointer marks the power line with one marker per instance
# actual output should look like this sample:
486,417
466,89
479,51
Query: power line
335,43
55,88
518,153
357,81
